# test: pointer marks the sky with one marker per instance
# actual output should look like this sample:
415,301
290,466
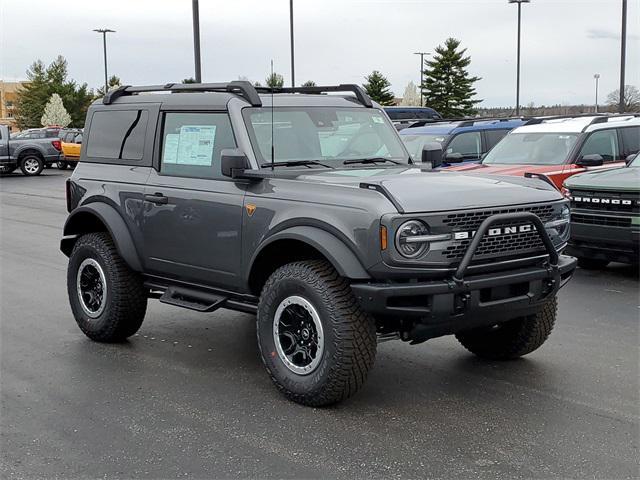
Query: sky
564,42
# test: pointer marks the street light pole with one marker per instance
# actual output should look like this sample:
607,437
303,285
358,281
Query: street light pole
293,75
196,40
597,77
623,50
422,54
519,2
104,32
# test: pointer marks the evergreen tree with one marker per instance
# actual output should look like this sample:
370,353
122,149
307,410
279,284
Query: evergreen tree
275,80
448,87
55,113
411,97
113,82
377,87
309,83
42,82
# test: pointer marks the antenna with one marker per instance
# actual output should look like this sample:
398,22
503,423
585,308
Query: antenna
273,139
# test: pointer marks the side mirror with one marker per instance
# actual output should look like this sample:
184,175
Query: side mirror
454,157
591,160
233,162
631,158
432,154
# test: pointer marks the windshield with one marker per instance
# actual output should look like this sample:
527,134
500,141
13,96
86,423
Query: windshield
414,143
322,133
532,149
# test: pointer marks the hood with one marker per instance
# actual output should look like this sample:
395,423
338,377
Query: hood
501,169
413,190
625,179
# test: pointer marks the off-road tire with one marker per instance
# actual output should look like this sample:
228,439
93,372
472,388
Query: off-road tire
592,263
126,297
514,338
349,334
27,161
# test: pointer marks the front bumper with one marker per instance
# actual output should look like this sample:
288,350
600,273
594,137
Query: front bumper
606,242
479,295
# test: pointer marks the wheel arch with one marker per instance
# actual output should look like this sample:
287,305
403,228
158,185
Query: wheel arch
302,243
20,154
100,217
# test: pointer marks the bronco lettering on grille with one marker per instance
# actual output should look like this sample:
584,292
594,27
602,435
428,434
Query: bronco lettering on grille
495,232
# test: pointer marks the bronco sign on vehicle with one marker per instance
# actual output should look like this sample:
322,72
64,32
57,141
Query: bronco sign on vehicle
305,209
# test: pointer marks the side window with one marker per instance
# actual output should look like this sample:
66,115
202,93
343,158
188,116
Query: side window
630,140
604,143
494,136
192,143
78,138
117,134
468,144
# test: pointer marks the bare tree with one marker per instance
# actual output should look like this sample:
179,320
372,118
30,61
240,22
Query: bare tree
631,98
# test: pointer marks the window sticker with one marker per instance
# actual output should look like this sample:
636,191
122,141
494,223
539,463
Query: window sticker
195,145
170,151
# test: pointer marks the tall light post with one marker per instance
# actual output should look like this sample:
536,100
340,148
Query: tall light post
623,50
196,40
596,77
293,74
422,54
104,32
519,2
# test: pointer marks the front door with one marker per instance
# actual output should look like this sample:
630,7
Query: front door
193,215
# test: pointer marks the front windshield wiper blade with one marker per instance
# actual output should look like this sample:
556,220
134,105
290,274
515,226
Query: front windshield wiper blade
370,160
295,163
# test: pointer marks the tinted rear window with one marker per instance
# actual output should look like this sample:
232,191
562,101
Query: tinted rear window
631,139
118,134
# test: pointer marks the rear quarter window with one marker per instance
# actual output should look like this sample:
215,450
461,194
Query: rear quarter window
118,135
630,140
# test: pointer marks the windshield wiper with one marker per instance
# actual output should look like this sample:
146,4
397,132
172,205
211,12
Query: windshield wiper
370,160
295,163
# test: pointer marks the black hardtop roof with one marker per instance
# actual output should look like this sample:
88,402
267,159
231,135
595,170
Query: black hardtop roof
219,94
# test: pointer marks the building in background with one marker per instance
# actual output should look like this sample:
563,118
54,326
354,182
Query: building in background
8,98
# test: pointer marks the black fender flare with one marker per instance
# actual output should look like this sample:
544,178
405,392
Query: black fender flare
331,247
115,225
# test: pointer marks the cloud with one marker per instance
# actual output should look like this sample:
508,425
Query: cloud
600,34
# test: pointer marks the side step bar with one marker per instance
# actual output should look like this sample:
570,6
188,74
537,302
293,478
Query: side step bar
193,299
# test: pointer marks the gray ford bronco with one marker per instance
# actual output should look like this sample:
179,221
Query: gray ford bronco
305,209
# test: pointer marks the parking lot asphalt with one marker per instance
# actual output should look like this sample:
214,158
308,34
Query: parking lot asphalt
187,397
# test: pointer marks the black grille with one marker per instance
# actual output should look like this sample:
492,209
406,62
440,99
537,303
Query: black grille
513,243
601,220
472,220
608,198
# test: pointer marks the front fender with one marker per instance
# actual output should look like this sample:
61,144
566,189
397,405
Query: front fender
82,220
332,248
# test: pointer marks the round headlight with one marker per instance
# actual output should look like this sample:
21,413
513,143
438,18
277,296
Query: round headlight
408,242
565,213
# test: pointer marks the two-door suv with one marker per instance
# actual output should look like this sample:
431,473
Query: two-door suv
305,209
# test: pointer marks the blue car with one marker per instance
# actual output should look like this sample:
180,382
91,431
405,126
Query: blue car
461,140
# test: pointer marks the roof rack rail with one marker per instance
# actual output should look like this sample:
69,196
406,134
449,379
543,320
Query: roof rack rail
464,122
238,87
538,120
605,119
359,92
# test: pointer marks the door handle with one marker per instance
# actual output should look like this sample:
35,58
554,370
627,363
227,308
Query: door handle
157,198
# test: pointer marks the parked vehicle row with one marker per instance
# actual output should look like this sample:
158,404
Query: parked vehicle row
307,210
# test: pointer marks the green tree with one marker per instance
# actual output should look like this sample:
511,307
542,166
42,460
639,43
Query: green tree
113,82
275,80
189,80
447,86
309,83
42,82
377,87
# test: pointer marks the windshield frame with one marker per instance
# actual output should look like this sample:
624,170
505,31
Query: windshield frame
334,162
512,134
